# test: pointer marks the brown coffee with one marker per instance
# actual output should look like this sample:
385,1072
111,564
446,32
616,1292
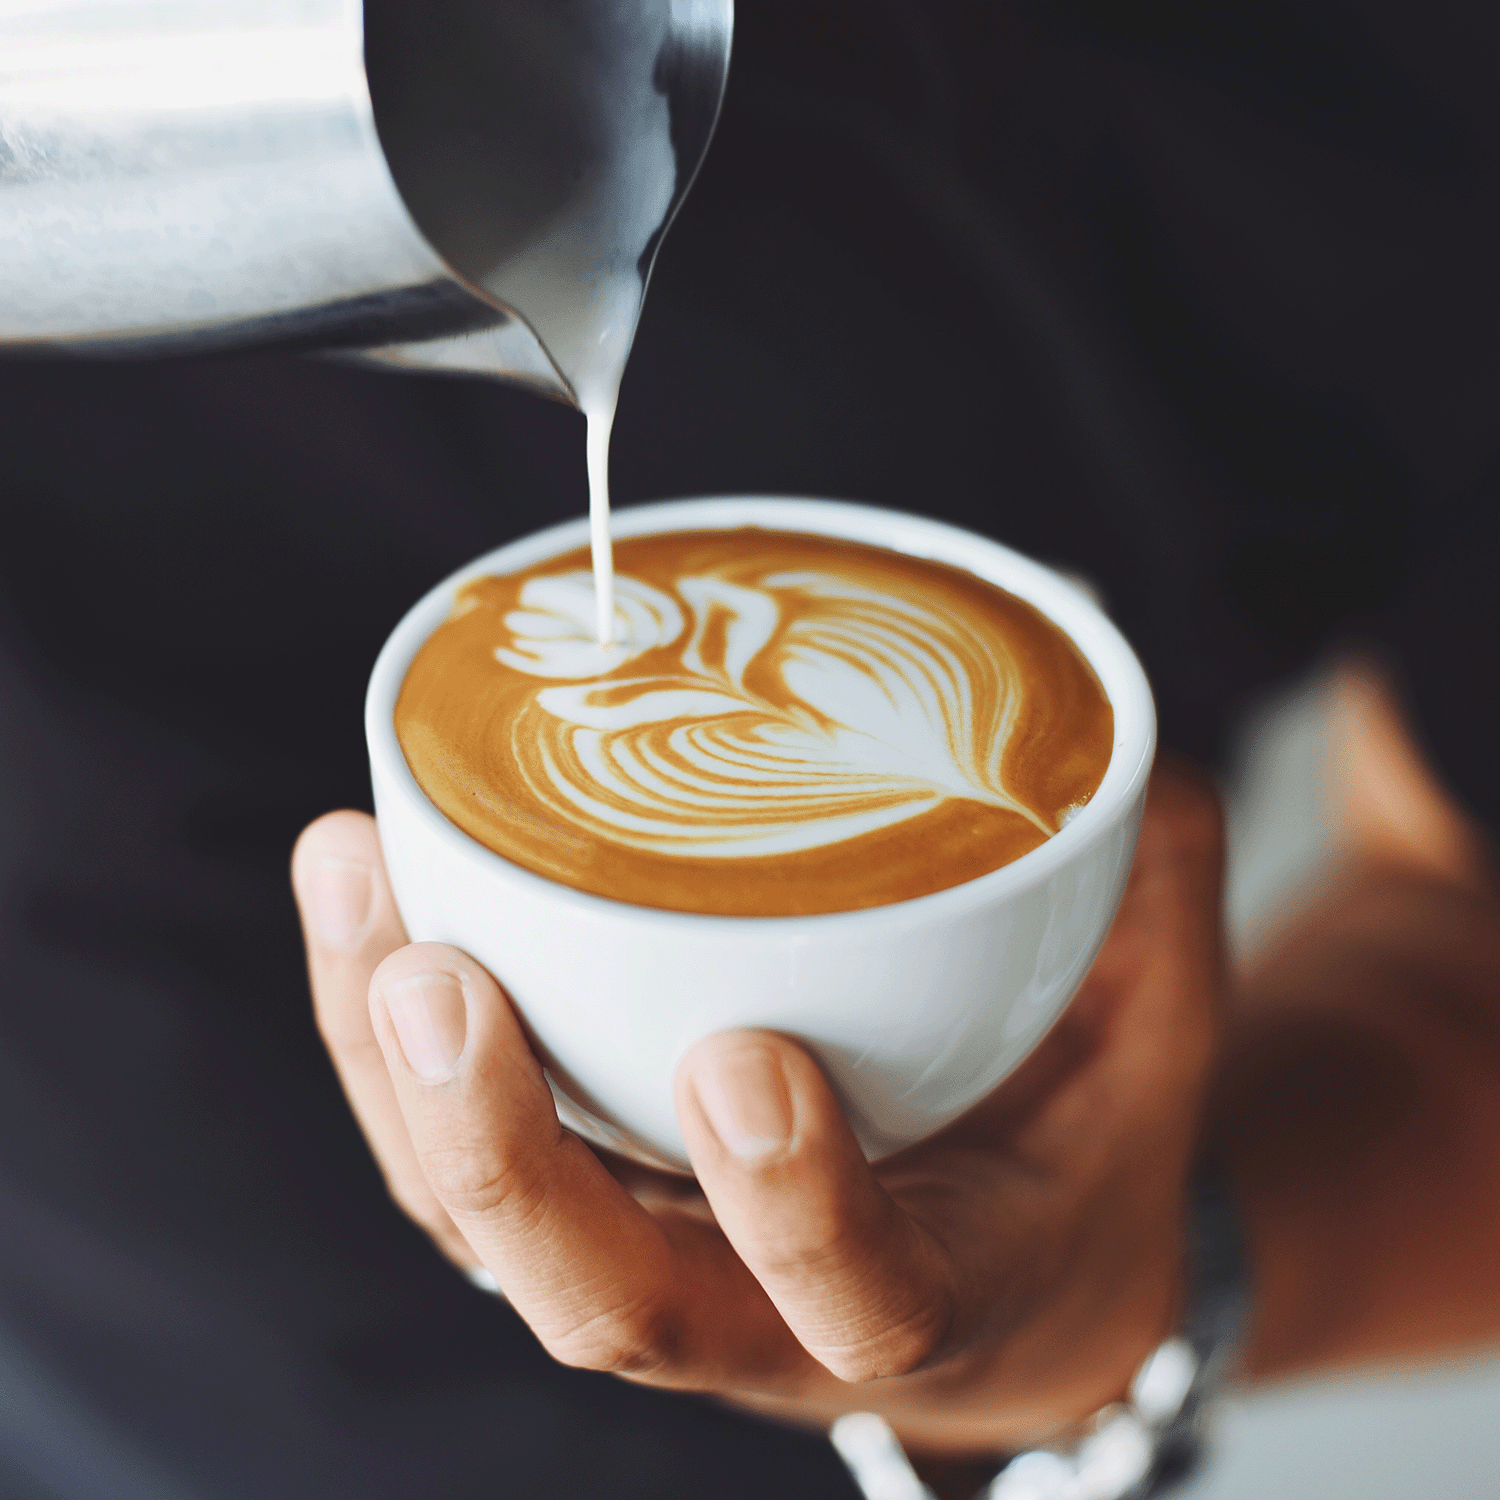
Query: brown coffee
784,724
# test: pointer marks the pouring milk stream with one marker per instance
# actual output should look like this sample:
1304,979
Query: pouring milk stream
582,285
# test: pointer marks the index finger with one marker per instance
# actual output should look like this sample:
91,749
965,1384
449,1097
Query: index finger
603,1283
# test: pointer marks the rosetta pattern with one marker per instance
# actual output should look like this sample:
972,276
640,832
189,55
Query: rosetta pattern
792,713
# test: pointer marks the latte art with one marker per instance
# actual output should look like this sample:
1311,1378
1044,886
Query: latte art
770,708
875,710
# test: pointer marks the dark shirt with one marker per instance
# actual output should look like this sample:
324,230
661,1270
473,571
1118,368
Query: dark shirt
1198,300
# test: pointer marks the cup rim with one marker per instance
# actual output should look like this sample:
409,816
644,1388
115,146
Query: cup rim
1063,602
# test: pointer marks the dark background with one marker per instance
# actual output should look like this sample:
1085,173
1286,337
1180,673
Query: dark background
1198,300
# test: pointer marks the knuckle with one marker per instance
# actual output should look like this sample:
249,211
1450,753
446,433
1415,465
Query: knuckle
476,1183
866,1305
905,1347
826,1241
821,1253
637,1339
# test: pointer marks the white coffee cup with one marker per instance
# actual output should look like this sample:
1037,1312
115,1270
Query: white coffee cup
915,1010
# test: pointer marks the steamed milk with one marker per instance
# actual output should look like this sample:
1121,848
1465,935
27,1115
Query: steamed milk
778,724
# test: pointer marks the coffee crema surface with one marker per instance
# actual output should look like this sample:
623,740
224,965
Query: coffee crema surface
785,724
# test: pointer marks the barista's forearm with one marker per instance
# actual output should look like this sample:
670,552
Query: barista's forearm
1358,1118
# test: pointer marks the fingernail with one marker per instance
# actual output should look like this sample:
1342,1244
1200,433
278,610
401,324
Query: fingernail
744,1096
428,1014
337,895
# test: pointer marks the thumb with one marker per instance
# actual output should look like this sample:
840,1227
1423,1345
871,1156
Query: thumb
865,1289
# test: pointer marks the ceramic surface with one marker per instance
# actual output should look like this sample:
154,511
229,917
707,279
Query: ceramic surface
915,1010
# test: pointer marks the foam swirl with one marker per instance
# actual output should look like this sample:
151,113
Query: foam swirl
781,714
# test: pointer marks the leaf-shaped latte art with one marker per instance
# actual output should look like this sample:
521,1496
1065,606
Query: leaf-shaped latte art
554,633
784,724
792,713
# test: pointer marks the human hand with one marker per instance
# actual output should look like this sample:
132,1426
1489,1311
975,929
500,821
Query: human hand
988,1285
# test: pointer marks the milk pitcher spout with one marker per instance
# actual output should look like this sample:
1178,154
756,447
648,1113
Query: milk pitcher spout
475,185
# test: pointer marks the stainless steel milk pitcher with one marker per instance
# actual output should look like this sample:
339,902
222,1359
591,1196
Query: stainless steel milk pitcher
461,184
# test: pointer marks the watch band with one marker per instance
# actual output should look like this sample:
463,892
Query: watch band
1132,1450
